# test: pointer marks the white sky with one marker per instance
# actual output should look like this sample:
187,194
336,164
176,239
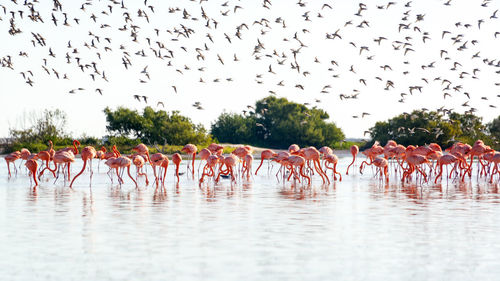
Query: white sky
84,108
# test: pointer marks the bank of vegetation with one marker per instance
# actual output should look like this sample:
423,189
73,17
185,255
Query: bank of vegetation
272,122
441,127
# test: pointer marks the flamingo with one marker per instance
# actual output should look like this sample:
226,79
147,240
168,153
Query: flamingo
333,159
164,165
64,157
293,149
88,153
139,161
496,163
445,160
241,152
176,158
190,149
265,154
214,148
281,158
298,161
73,149
414,161
11,158
311,153
109,154
324,151
123,162
212,161
157,161
204,154
247,165
45,156
478,149
100,155
371,153
32,166
25,153
354,151
382,164
229,161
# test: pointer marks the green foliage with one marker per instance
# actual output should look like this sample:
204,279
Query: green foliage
155,126
421,127
32,147
120,141
277,123
494,130
234,128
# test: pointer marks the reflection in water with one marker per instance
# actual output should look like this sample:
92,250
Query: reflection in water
358,229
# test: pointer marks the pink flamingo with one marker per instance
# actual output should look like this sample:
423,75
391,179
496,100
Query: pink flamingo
281,158
176,158
383,165
311,153
265,154
139,161
496,163
298,161
157,161
25,153
354,151
247,165
88,153
65,157
212,161
124,162
213,147
100,155
45,156
32,166
445,160
190,149
478,149
241,152
229,161
334,160
11,158
204,154
414,161
293,149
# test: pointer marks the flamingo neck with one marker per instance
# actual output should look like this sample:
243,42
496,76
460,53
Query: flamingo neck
117,153
75,149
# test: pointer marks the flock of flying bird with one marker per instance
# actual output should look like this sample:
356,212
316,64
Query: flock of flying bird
299,164
193,42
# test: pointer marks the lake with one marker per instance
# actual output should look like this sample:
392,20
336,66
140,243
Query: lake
357,229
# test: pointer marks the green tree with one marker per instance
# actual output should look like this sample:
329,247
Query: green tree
155,126
421,127
494,130
235,128
277,122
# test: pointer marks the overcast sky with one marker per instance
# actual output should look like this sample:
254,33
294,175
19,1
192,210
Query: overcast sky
456,69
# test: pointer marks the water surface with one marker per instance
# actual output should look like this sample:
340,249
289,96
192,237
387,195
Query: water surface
357,229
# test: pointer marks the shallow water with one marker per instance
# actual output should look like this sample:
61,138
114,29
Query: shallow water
357,229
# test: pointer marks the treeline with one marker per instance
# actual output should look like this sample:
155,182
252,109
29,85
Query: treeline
277,123
441,127
155,127
272,122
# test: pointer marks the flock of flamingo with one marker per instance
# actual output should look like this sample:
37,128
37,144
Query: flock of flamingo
299,164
